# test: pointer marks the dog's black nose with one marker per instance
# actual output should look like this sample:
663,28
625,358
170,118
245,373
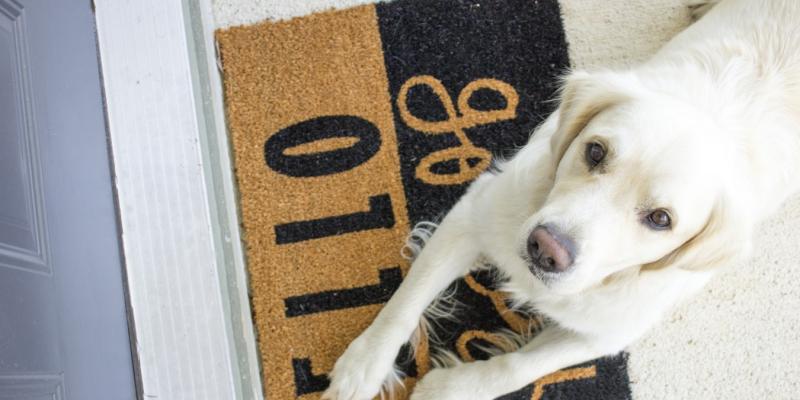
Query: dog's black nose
549,250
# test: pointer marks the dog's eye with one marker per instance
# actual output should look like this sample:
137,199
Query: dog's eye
595,153
659,219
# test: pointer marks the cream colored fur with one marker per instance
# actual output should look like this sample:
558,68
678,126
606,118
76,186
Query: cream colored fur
709,128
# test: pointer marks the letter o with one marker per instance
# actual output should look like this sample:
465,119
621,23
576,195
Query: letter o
326,162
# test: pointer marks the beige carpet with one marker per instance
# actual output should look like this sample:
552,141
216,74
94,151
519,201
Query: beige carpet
739,339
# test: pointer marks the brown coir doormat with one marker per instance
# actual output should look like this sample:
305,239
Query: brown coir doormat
351,126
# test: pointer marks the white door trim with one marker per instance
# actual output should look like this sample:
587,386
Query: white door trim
185,268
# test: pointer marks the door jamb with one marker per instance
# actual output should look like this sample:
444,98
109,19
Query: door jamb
185,266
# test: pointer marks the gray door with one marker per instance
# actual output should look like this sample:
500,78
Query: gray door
63,329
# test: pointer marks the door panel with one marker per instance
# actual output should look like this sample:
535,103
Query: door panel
20,207
15,229
28,324
63,325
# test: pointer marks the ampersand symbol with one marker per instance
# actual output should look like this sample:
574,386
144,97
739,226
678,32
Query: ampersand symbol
472,160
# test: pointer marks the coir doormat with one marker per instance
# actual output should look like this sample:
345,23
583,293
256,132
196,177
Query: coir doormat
351,126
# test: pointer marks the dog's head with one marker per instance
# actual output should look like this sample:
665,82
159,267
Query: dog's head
641,179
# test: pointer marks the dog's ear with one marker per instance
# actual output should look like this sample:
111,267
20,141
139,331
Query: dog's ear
583,95
725,238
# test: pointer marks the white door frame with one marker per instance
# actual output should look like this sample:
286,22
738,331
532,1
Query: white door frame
185,270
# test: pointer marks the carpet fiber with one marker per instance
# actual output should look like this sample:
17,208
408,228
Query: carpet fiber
351,126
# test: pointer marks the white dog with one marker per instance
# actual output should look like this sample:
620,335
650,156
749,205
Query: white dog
625,201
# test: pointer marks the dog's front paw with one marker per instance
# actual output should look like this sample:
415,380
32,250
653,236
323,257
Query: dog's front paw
445,384
360,372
